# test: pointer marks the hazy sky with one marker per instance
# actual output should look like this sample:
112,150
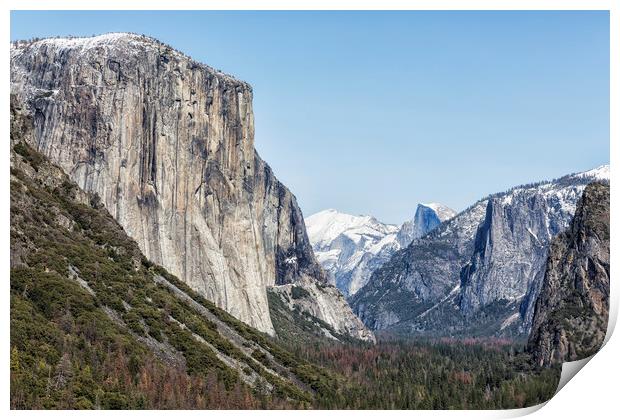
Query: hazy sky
373,112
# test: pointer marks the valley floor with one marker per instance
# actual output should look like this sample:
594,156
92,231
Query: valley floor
442,374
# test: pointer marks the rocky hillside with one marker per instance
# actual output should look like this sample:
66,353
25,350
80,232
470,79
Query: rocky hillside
572,308
351,247
167,143
94,324
480,272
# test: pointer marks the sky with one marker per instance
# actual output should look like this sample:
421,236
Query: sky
374,112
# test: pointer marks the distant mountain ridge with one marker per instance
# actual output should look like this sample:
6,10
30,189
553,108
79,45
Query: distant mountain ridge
351,247
479,273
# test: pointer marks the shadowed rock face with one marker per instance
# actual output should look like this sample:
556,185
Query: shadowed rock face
168,145
428,217
572,308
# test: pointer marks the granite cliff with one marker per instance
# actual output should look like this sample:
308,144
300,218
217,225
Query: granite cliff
167,144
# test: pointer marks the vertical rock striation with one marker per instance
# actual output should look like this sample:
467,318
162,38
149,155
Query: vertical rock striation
168,145
572,308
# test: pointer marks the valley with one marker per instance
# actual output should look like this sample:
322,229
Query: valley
158,263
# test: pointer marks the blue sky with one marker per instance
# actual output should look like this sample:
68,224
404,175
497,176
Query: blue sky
373,112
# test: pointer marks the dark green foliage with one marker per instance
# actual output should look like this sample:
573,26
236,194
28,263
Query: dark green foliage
299,292
296,327
84,307
261,357
428,375
33,157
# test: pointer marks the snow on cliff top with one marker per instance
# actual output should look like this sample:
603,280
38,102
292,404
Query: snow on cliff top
443,212
601,173
110,40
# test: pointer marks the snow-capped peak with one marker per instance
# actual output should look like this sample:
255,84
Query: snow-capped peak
351,247
112,41
443,212
325,226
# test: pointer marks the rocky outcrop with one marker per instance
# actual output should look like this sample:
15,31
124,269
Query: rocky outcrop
572,308
350,248
167,143
511,244
76,273
322,305
480,272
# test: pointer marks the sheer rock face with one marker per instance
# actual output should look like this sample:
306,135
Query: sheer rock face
478,273
168,145
427,217
572,308
511,245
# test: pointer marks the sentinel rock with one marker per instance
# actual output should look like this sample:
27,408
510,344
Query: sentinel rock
511,245
572,308
167,143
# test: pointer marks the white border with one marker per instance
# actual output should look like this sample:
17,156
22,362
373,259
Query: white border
590,396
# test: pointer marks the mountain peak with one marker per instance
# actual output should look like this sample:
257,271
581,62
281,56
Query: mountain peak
351,247
139,101
443,212
427,217
474,262
326,225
